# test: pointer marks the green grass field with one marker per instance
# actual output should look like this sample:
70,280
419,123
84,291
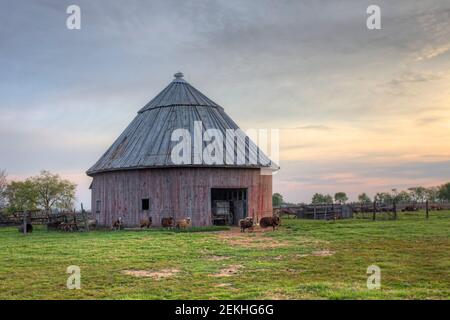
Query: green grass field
302,260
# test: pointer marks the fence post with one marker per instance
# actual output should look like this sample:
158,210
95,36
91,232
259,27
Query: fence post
314,212
83,213
374,209
395,209
24,222
427,208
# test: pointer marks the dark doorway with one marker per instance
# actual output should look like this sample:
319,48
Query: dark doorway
228,205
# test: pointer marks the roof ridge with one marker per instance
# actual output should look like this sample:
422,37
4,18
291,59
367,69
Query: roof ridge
179,92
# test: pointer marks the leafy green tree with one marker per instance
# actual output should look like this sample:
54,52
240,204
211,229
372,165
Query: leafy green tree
384,198
3,186
44,191
317,198
21,196
418,193
364,198
321,199
432,194
277,199
403,196
340,197
52,191
444,191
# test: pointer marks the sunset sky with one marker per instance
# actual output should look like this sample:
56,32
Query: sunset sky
358,110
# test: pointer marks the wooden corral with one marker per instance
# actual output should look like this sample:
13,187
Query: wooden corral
63,221
177,193
317,212
16,218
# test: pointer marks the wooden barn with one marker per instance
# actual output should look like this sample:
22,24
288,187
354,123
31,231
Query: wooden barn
137,177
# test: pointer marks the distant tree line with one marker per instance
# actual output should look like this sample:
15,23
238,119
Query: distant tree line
45,191
414,194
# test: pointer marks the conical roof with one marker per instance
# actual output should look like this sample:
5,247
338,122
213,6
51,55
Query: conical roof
146,142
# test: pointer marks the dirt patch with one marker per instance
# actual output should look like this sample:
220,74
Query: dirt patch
277,296
228,271
254,239
157,275
323,253
217,258
317,253
301,255
223,285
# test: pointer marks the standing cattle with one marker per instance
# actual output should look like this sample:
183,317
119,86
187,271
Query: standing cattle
146,222
183,223
117,224
266,222
246,223
168,222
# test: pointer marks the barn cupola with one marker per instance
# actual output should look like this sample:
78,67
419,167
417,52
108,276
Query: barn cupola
179,77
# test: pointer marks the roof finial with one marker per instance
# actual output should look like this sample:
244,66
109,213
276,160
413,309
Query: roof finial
178,75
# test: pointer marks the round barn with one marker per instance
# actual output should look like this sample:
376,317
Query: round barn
168,163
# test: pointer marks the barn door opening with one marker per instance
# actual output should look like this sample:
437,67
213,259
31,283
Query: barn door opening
228,205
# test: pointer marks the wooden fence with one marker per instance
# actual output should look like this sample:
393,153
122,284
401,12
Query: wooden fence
65,221
362,210
317,212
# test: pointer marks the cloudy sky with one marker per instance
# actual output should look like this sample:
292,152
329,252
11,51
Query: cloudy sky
358,109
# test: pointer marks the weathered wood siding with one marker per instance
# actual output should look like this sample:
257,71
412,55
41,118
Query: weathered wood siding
176,192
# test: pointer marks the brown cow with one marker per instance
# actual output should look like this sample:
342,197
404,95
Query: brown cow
168,222
266,222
